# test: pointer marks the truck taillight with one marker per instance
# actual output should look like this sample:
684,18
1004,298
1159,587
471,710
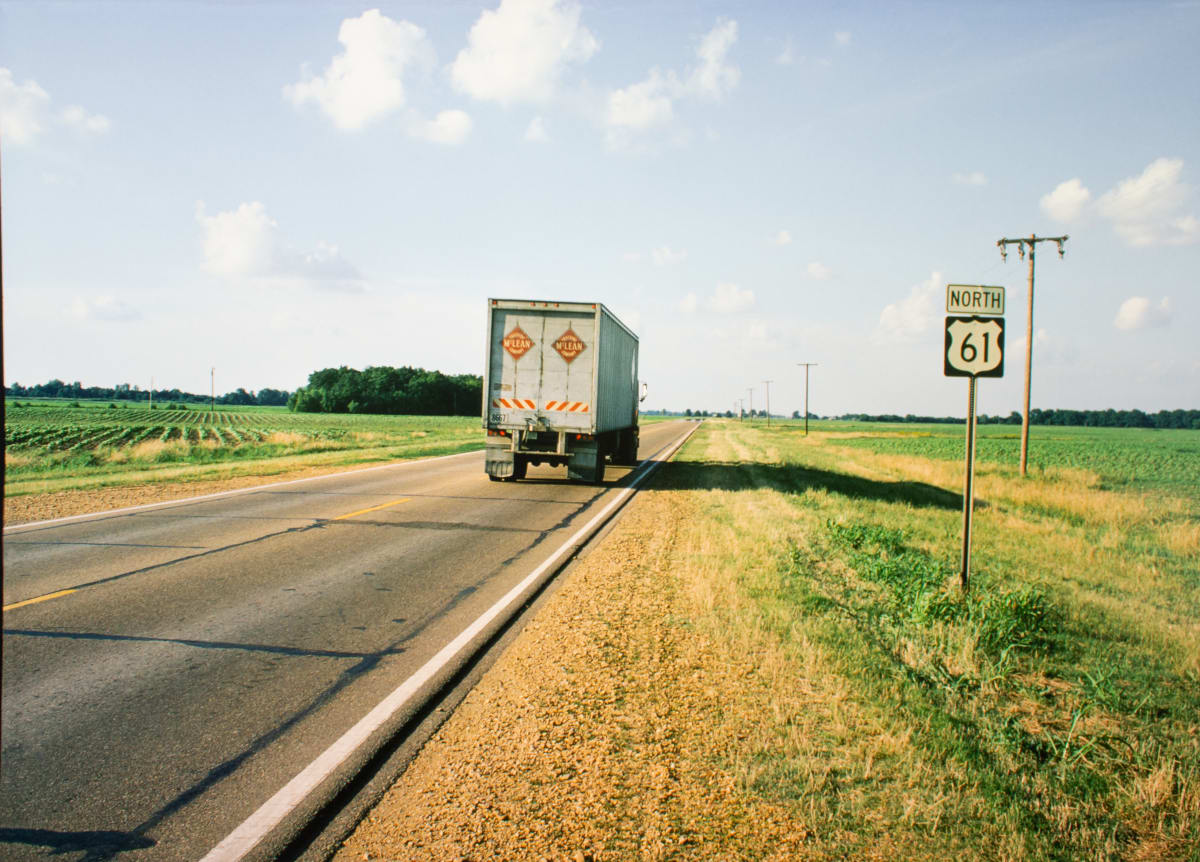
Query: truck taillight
494,433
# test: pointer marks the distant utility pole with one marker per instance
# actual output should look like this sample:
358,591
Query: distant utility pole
767,383
152,393
1028,244
212,395
806,365
750,389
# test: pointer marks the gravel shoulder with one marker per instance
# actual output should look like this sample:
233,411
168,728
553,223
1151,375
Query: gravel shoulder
604,732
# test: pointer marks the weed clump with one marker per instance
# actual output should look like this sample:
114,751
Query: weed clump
921,591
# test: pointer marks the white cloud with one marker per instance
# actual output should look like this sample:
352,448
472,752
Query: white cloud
79,119
641,106
21,109
1147,209
517,52
366,81
25,113
1067,201
782,238
916,314
536,131
819,271
689,304
729,298
971,178
107,309
714,77
650,103
665,255
245,245
1138,313
842,37
632,256
448,127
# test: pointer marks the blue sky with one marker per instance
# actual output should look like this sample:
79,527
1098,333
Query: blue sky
273,188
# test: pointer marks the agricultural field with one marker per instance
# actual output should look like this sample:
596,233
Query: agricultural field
1130,458
53,447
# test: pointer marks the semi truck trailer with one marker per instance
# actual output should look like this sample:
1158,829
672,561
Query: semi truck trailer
560,387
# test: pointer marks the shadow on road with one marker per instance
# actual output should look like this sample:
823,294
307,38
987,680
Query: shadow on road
795,479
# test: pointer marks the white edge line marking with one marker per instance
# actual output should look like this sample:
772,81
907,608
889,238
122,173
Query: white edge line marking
184,500
254,828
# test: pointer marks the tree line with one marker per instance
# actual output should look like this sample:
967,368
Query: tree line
1084,418
383,389
129,392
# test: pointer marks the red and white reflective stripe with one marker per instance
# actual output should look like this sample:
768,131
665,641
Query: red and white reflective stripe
568,406
515,403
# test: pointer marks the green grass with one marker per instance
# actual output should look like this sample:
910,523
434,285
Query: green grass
50,447
1052,712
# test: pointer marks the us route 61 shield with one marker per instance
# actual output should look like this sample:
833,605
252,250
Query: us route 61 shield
974,347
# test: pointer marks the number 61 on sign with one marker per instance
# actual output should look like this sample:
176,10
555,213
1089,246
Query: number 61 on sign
974,347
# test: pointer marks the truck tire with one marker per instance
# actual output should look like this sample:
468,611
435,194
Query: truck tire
598,474
520,467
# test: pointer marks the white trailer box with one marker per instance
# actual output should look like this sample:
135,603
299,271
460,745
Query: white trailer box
560,386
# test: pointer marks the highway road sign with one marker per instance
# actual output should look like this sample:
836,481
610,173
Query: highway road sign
974,347
976,299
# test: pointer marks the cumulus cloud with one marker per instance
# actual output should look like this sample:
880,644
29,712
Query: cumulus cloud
366,81
22,109
1138,312
689,303
819,271
25,113
246,245
106,309
729,298
518,52
448,127
914,315
665,255
77,118
715,77
842,38
1066,203
782,238
650,103
971,178
536,131
1148,209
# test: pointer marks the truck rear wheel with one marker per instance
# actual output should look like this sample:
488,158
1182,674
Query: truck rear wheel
520,467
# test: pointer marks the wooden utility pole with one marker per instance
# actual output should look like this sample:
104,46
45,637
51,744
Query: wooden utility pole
806,367
750,389
767,383
1028,244
212,390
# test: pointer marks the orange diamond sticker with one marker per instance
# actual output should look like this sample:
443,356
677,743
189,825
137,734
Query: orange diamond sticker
517,343
569,345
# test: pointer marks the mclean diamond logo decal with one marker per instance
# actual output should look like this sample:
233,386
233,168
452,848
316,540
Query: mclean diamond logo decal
569,345
517,343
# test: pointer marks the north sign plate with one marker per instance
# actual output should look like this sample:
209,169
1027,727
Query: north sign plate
979,300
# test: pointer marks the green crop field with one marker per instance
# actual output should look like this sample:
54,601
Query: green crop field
56,446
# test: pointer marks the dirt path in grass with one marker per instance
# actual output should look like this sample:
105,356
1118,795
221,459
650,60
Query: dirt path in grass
604,731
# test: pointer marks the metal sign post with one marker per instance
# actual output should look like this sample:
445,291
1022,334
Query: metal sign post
974,348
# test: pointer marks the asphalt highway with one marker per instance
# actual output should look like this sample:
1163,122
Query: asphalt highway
167,670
